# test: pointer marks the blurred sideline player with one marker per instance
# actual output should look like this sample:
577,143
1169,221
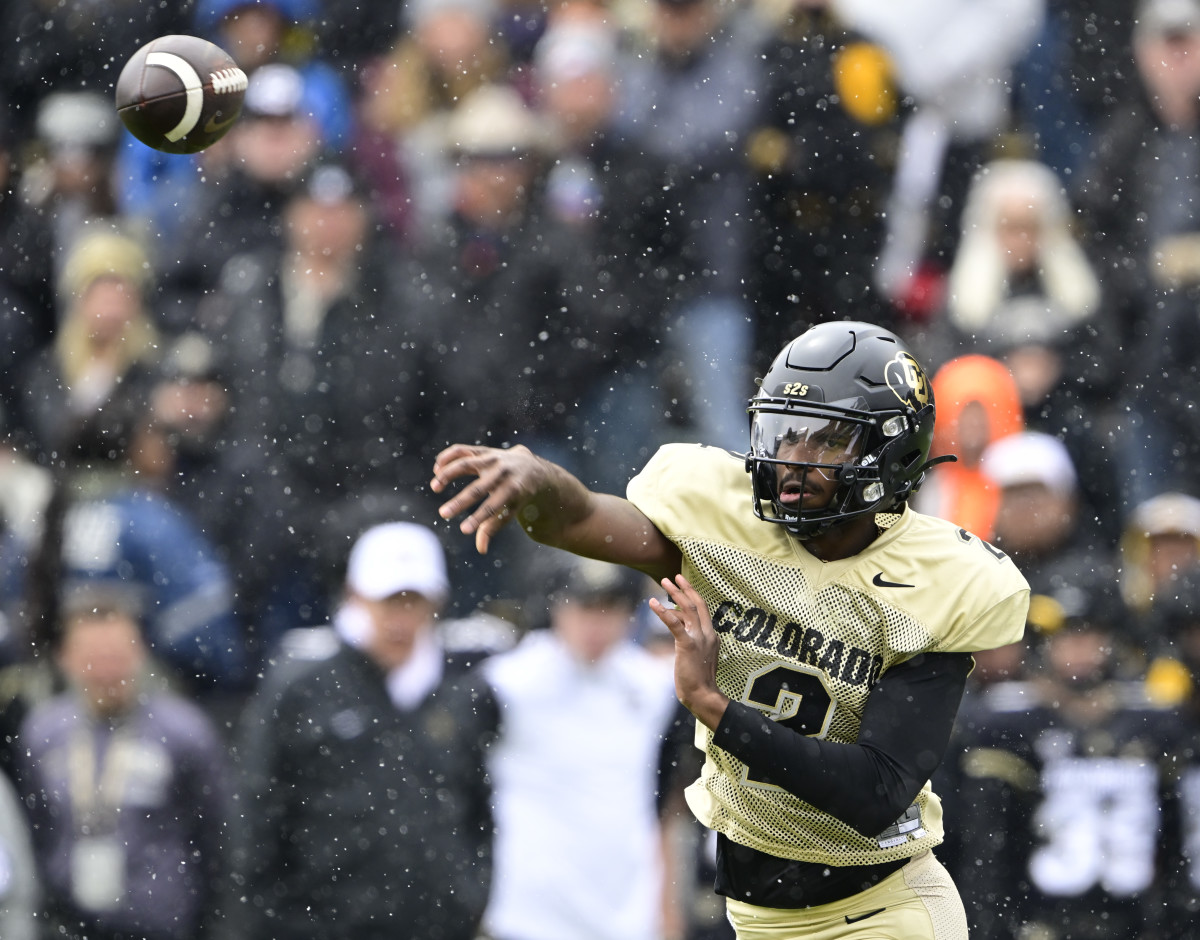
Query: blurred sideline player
823,630
587,724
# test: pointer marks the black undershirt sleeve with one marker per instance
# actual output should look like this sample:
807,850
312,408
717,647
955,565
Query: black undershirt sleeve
904,733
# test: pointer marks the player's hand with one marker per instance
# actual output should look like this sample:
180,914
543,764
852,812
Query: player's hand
696,649
506,480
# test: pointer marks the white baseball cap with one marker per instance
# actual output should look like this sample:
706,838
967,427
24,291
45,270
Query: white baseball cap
1030,457
1164,17
395,557
1169,514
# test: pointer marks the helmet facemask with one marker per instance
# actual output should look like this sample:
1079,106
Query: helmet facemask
798,449
847,404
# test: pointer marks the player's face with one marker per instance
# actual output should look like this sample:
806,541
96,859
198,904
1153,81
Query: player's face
810,451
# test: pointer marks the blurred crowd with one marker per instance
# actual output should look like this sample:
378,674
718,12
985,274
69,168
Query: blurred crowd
585,226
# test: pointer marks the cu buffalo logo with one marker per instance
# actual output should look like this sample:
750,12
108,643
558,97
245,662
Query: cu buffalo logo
907,380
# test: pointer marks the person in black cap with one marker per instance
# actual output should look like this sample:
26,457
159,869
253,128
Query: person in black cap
584,719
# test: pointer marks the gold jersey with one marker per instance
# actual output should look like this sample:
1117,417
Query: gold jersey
805,641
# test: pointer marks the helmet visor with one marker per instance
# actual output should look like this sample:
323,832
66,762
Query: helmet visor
822,442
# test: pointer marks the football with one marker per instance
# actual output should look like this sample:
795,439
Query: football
180,94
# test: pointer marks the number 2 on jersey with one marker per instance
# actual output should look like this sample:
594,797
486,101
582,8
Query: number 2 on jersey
792,696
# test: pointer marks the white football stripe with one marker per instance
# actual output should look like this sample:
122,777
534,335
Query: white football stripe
191,86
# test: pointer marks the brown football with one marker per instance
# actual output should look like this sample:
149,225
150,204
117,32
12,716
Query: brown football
180,94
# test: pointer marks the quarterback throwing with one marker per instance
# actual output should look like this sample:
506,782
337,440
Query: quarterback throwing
823,630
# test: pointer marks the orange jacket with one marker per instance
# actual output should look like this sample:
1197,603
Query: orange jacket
962,493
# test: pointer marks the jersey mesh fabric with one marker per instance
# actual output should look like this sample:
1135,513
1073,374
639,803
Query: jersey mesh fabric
818,689
805,641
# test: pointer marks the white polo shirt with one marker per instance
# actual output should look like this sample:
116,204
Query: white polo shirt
578,849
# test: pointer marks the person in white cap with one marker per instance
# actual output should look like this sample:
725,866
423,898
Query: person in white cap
364,801
1160,541
1038,519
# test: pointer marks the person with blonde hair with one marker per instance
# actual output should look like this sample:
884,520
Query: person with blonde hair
1022,290
103,346
1016,241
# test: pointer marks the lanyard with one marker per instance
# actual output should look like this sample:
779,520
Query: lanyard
96,774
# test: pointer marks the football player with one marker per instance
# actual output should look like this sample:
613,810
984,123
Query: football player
823,630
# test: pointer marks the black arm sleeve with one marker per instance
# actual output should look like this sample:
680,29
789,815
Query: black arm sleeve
904,734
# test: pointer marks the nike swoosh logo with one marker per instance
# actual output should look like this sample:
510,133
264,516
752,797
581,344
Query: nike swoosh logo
214,125
855,920
879,581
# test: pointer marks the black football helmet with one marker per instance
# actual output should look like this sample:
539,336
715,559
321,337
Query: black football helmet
848,401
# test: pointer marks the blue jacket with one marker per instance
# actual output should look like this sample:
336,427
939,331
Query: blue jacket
139,538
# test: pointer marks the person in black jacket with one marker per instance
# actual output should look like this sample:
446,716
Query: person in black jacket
364,805
326,393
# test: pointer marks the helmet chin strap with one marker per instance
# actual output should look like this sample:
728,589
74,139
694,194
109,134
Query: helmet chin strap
930,464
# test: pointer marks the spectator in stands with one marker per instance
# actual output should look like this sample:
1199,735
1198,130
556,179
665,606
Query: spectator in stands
1160,542
364,803
273,146
1021,289
164,190
1020,276
978,403
510,294
1067,787
103,350
70,178
105,525
1140,189
190,453
955,58
613,195
27,261
127,785
822,156
448,51
688,99
326,388
264,32
1072,77
1141,194
1038,522
1177,628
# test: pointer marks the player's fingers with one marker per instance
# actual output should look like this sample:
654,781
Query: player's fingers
491,492
683,595
455,461
486,522
670,618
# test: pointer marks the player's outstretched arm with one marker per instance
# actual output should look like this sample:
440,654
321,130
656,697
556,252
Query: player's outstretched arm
551,505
